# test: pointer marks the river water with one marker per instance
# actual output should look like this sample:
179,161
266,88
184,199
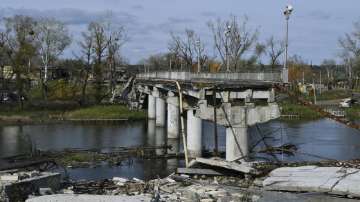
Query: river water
322,138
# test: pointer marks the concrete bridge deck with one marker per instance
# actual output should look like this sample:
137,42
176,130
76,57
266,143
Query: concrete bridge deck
246,77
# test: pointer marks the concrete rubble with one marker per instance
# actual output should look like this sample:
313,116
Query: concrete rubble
332,180
16,186
311,183
87,198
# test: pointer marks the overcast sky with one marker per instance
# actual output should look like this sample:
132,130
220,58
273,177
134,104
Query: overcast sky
314,28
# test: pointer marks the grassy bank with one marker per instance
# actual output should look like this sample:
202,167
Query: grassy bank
293,108
330,95
353,113
105,112
16,115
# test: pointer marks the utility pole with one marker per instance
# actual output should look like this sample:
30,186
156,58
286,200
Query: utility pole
314,88
198,45
227,35
303,77
170,63
320,84
288,10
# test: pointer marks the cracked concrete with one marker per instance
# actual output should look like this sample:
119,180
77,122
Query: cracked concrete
333,180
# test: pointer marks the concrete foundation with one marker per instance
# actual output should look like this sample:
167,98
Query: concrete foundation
151,107
234,141
194,135
160,112
173,117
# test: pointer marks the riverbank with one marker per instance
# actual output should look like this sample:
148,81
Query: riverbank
95,113
292,109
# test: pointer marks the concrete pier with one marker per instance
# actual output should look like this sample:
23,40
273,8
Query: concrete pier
232,145
160,112
151,107
173,117
194,135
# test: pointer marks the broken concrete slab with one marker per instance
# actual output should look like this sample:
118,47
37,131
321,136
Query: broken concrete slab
9,177
217,162
198,171
333,180
86,198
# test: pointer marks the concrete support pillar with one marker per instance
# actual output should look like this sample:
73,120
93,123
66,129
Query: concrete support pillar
271,98
194,135
160,112
236,137
173,117
151,107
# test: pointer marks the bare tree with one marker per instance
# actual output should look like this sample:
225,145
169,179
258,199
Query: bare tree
232,39
329,65
350,54
52,38
100,44
116,39
188,47
86,46
275,48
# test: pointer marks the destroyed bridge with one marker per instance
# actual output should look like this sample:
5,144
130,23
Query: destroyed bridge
233,100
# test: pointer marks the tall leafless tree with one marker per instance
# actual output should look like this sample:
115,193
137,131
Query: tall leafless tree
188,47
275,48
233,39
52,38
350,44
86,48
116,39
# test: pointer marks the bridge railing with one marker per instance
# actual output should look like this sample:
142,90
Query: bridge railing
253,76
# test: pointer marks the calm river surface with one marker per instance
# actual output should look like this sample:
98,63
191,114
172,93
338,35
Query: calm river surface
323,138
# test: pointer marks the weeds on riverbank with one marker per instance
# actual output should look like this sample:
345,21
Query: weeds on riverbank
31,115
293,108
105,112
353,113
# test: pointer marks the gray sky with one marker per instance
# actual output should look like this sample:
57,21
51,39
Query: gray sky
314,30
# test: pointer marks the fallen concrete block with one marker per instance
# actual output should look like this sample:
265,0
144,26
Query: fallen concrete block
197,171
8,177
334,180
216,162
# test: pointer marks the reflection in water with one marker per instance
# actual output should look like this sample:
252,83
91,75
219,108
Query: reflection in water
160,140
151,132
323,137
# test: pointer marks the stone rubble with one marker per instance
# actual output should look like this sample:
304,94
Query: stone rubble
201,188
